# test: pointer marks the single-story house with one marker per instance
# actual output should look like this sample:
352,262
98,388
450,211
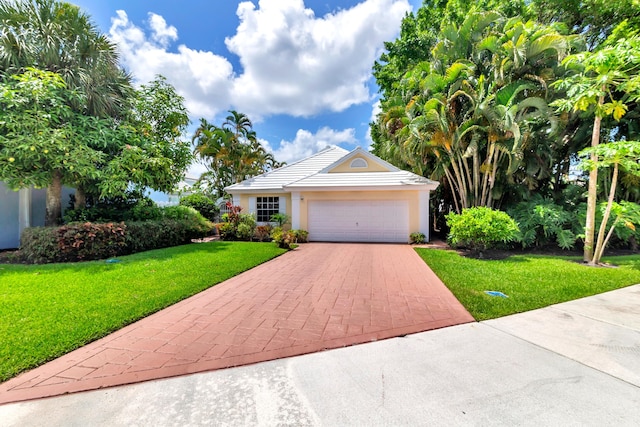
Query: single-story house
341,196
22,209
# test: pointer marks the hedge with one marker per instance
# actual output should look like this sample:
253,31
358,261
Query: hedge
90,241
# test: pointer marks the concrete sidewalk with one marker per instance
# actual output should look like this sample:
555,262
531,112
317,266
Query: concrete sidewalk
576,363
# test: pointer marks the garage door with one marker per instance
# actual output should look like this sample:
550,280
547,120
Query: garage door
358,221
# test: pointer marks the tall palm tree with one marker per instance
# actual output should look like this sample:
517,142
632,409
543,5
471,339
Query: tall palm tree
468,111
232,152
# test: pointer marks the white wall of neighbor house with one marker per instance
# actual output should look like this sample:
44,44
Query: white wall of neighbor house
9,217
21,209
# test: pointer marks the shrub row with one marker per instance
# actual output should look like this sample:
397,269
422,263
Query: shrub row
90,241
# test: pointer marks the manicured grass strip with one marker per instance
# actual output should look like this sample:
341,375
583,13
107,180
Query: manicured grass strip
49,310
530,281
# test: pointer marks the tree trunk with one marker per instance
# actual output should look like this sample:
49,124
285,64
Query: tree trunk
592,197
600,244
53,213
81,198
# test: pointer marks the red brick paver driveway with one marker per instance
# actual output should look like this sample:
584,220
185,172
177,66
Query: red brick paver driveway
318,297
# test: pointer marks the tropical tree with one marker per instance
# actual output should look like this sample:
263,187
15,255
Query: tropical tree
602,83
231,152
58,37
43,142
621,155
152,151
469,113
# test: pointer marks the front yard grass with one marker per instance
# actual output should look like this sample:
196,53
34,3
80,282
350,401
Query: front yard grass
49,310
530,281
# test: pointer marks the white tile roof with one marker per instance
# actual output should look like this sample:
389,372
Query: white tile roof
362,180
311,173
276,179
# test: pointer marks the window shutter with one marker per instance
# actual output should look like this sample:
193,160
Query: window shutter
252,205
282,205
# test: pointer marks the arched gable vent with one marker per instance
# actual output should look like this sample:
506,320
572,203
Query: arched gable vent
358,163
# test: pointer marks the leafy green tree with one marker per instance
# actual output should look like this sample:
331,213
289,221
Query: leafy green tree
616,155
153,153
602,83
43,142
231,152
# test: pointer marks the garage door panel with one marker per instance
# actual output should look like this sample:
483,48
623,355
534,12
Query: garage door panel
359,221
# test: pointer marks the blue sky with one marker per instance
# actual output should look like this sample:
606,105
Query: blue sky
301,70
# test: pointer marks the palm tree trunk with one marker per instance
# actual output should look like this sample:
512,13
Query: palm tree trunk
462,193
589,228
53,213
603,225
454,189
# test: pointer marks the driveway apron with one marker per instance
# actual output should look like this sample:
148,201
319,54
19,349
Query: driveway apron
319,296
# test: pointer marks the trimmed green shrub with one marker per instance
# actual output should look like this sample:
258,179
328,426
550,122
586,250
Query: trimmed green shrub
302,236
73,242
39,245
284,239
196,225
480,228
87,241
417,238
203,204
244,231
227,231
146,235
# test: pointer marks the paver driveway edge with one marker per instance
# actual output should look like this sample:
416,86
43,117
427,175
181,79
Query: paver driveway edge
318,297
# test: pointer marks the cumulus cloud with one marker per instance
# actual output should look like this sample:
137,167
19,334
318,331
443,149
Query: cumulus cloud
375,110
298,64
203,78
307,143
293,62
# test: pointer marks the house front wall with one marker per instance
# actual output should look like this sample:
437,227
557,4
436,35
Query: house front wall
296,204
418,211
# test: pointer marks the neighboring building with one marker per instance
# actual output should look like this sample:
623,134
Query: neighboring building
171,199
341,196
22,209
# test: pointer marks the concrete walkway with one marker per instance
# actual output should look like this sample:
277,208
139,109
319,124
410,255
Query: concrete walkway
572,364
318,297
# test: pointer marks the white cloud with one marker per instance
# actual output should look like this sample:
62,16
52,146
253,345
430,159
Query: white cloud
203,78
293,62
296,63
162,33
307,143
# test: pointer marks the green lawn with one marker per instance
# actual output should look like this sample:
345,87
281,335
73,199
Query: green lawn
49,310
530,281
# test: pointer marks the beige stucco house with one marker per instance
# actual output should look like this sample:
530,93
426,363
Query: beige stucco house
341,196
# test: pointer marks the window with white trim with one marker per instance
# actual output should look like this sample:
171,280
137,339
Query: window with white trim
267,206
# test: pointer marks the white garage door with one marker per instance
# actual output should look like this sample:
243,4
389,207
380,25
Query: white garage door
358,221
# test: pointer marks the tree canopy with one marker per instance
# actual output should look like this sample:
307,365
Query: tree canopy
477,95
70,115
231,152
